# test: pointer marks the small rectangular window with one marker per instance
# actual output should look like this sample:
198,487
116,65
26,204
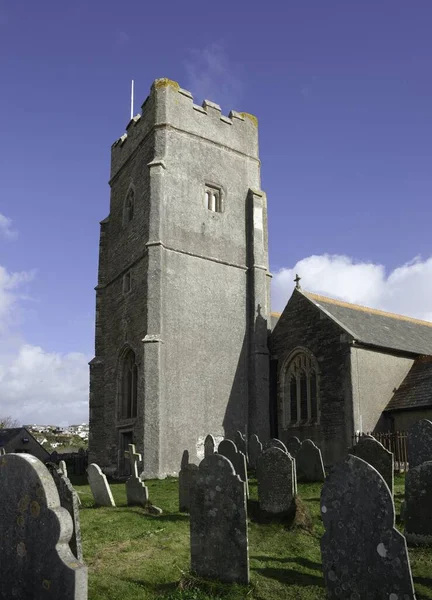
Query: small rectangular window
127,282
213,198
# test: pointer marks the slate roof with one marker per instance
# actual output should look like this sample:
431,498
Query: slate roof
377,328
416,389
6,435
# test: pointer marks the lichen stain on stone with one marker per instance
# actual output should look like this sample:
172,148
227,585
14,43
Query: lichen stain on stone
20,521
46,584
382,550
23,503
21,549
164,82
251,118
35,509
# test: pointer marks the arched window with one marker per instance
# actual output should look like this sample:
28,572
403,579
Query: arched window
129,386
129,207
300,389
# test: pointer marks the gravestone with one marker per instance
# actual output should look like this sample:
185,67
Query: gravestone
218,525
99,486
275,443
187,478
228,449
276,481
240,442
374,453
54,457
136,490
293,445
63,468
309,462
69,500
419,443
2,451
363,554
36,561
255,449
417,513
209,445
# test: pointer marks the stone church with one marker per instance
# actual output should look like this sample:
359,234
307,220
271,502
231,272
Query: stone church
183,343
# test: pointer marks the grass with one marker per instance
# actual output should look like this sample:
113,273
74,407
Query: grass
135,556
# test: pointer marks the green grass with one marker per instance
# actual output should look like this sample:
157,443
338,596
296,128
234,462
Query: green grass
135,556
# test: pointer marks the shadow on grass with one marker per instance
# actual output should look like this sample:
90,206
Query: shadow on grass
290,576
297,517
426,581
304,562
311,499
173,517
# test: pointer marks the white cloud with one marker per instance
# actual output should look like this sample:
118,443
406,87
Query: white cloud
406,290
6,230
11,293
212,76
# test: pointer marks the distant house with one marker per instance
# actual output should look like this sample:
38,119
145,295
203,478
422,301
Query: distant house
339,368
19,440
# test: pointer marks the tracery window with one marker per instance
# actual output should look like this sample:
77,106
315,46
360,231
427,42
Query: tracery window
300,393
129,387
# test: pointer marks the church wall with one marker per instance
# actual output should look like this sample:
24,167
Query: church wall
303,325
375,375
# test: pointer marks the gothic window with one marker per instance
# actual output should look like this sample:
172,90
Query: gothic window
300,390
213,198
129,386
129,207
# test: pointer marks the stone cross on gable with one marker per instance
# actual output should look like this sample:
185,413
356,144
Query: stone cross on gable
134,458
297,281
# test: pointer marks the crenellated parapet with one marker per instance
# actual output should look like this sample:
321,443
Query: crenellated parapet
170,106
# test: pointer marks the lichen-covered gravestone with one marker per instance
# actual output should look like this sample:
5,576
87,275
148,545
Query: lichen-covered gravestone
209,445
293,445
374,453
419,443
275,443
255,449
363,554
99,486
418,504
309,462
187,478
136,490
276,481
218,525
36,561
228,449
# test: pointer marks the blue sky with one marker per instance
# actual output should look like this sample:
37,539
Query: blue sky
343,94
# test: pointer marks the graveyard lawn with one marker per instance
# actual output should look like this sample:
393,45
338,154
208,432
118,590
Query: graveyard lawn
132,555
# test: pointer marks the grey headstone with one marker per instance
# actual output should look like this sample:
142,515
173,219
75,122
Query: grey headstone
69,500
209,445
276,481
136,490
418,504
420,443
63,468
255,449
187,478
99,486
228,449
240,442
309,462
2,451
218,525
293,445
374,453
363,554
36,561
275,443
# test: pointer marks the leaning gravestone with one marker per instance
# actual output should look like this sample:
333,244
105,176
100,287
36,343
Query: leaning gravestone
99,486
240,442
276,481
209,445
418,504
228,449
187,478
363,554
218,525
255,449
374,453
136,490
36,561
275,443
293,445
69,500
309,462
420,443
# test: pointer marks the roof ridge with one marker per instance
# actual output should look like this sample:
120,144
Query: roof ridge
362,308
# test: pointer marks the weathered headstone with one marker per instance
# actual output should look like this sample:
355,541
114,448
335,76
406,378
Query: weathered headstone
36,561
419,445
99,486
240,442
276,481
187,478
228,449
2,451
418,504
374,453
136,490
63,467
69,500
275,443
255,449
363,554
293,445
209,445
218,525
309,462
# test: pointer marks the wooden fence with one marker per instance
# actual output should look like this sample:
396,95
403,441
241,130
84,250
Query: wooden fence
396,442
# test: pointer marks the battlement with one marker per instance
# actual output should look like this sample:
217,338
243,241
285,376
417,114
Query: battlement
170,106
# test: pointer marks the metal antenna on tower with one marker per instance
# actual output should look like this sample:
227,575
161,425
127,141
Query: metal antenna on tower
132,99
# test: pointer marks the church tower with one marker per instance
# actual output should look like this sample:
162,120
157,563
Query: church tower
182,301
